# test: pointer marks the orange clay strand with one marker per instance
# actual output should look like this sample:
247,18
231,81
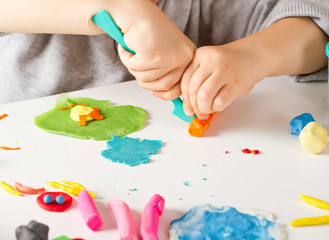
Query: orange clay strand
82,120
9,148
3,116
95,114
63,108
72,105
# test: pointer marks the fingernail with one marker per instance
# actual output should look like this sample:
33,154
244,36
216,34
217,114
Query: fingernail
203,116
189,112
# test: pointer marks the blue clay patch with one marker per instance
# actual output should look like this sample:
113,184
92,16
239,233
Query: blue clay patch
298,123
226,223
131,151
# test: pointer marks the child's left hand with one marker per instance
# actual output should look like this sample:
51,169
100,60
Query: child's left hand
219,74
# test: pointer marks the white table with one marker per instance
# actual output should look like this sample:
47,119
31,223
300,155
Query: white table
270,181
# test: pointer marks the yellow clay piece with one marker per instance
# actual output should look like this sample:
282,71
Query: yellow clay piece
92,194
56,185
310,221
314,201
78,110
75,190
313,138
9,188
74,184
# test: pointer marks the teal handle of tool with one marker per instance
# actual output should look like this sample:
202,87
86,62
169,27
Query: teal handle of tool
179,110
103,20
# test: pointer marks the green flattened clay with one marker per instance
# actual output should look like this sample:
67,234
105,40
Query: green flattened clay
118,120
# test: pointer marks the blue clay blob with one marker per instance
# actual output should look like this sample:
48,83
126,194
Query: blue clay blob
131,151
48,199
227,223
60,199
298,123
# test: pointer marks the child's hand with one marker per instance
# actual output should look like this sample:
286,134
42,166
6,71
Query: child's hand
162,53
219,74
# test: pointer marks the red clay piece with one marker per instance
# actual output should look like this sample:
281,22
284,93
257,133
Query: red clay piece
55,207
246,150
255,152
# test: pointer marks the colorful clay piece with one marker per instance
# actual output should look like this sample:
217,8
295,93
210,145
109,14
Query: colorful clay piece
118,120
60,199
124,218
3,116
32,231
47,199
150,218
28,190
63,237
226,223
314,201
74,190
255,152
312,220
9,189
78,110
313,137
246,150
89,211
53,205
131,151
9,148
74,184
197,126
298,123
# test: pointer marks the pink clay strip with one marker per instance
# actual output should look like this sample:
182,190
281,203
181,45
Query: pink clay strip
89,211
150,218
124,219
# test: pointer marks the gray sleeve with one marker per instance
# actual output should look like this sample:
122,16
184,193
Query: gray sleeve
267,12
3,34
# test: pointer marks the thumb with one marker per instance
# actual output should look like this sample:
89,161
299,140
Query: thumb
125,56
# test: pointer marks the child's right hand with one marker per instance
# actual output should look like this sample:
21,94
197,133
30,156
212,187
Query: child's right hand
162,52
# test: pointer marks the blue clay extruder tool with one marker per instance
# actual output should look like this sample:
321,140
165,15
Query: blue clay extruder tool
104,21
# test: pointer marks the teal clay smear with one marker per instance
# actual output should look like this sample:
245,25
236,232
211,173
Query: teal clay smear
131,151
118,120
227,223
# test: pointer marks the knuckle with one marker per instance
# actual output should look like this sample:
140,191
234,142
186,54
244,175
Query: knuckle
204,94
219,104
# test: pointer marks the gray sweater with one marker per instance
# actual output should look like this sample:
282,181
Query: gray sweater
35,65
